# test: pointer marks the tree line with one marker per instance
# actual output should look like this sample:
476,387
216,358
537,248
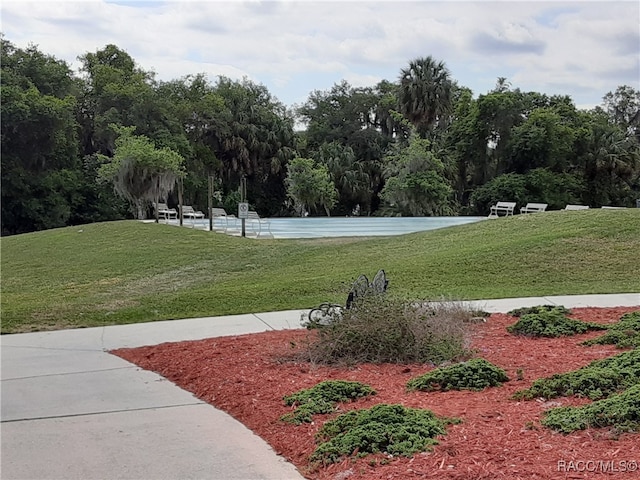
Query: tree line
107,142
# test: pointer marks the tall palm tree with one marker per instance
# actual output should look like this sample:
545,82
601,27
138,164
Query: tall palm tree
424,96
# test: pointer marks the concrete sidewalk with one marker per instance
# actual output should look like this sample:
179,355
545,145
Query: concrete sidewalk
70,410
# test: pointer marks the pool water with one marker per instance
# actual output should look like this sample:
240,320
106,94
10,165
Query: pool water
320,227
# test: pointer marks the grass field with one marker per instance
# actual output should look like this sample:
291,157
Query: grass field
126,272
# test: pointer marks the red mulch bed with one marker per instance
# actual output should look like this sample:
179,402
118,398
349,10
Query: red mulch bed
498,438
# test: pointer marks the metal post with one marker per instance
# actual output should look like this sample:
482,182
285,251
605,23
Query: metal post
243,199
210,202
180,186
157,214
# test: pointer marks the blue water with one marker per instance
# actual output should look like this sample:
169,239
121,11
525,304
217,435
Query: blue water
319,227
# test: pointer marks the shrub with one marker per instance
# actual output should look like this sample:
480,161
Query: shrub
550,323
391,429
537,185
510,185
518,312
625,333
475,374
381,329
621,411
322,398
599,379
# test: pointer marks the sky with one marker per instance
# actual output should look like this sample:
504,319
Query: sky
583,49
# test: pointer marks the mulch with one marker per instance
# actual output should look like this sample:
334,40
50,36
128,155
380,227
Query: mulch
248,375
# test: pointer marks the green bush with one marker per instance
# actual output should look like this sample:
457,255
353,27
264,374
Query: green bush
538,185
621,411
510,185
519,312
474,374
382,329
625,333
322,398
391,429
599,379
550,323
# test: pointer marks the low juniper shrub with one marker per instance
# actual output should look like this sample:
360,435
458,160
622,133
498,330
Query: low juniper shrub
392,429
624,334
551,323
474,374
322,398
621,411
519,312
599,379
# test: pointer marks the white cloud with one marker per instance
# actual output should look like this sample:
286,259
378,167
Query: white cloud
578,48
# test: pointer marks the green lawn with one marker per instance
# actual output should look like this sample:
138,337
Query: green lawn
125,272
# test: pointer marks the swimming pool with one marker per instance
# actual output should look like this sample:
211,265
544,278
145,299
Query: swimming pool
320,227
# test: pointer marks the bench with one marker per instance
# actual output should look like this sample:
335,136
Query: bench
220,219
164,212
225,222
189,212
327,313
256,223
576,207
534,208
506,208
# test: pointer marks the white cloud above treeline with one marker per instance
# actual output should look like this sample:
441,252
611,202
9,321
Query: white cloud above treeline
579,48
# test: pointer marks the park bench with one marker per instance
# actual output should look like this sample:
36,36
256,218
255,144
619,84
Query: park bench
576,207
534,208
164,212
189,212
505,208
223,221
360,289
256,223
220,219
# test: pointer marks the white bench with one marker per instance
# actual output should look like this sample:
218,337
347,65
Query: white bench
257,223
222,220
189,212
534,208
164,212
577,207
231,224
502,207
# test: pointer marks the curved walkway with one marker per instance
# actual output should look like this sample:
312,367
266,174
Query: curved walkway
70,410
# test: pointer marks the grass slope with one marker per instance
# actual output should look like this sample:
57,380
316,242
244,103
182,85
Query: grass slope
125,272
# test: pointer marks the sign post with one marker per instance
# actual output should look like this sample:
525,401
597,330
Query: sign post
243,213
